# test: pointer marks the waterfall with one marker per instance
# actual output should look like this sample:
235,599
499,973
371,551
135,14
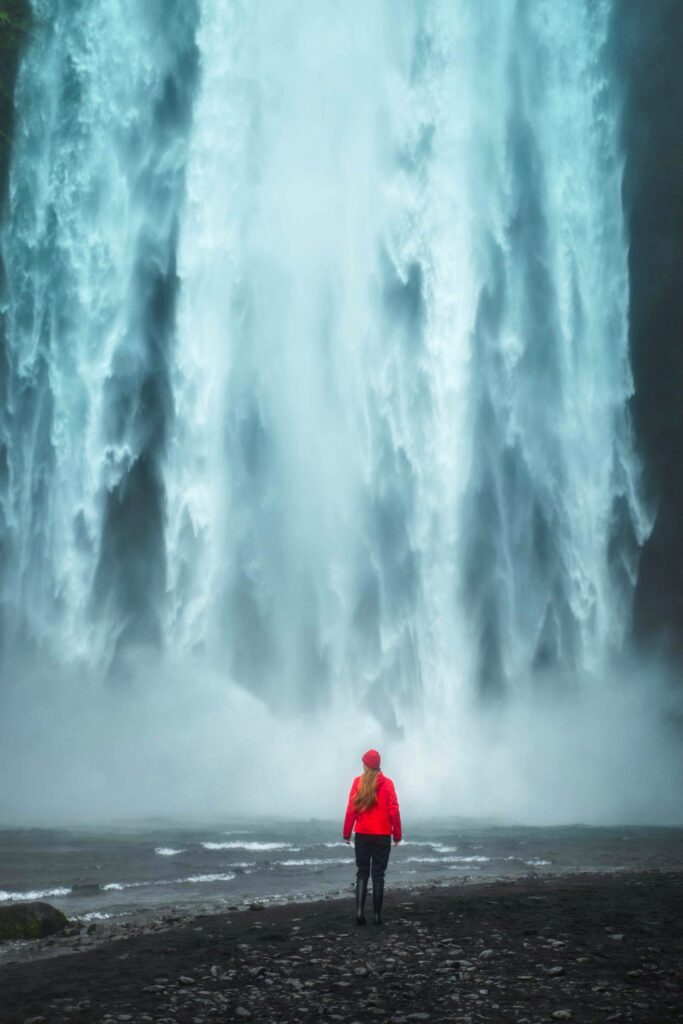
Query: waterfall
316,324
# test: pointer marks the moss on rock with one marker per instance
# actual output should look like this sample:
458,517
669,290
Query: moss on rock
32,920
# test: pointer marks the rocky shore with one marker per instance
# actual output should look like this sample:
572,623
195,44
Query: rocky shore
590,947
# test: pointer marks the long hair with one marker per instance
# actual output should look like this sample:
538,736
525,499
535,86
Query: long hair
366,796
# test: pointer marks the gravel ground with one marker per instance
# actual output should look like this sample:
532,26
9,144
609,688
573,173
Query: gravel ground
590,947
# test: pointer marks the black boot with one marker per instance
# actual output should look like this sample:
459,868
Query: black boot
377,900
361,893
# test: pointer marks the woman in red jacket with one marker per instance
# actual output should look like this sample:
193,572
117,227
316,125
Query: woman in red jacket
374,809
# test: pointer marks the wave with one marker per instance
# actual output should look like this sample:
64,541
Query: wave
534,862
446,860
167,851
228,877
418,842
120,886
313,861
234,845
33,894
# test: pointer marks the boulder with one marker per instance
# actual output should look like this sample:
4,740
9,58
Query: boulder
33,920
85,889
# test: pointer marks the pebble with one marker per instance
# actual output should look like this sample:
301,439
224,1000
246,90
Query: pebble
323,980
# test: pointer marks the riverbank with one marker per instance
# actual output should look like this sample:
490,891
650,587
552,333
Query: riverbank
585,947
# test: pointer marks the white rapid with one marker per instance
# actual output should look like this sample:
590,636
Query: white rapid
317,363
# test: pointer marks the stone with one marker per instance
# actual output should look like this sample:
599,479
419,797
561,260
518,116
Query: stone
31,920
562,1015
554,972
85,889
362,972
486,953
185,979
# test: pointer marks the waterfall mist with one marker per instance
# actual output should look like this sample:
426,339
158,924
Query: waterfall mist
315,429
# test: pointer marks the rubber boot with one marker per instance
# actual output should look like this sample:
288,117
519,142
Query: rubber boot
361,893
377,900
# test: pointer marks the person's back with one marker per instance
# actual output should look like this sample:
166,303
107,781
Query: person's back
382,818
373,810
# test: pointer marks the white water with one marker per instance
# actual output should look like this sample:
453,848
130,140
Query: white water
318,385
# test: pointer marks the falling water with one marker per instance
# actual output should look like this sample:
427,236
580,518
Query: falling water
317,366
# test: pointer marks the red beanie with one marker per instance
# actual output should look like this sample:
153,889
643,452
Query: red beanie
371,758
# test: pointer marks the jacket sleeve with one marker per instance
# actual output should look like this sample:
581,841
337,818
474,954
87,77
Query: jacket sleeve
351,813
395,815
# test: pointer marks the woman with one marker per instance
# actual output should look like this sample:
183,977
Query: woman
374,809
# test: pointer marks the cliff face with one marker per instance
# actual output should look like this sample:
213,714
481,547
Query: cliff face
15,21
648,39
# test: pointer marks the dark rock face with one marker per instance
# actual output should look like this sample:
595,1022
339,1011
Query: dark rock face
14,25
32,920
647,43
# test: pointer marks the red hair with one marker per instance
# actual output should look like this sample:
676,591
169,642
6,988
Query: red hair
366,796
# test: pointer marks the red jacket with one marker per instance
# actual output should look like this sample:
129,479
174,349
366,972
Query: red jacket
382,819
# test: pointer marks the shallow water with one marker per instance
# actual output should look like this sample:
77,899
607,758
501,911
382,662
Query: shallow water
158,865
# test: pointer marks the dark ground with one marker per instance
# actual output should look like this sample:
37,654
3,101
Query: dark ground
588,947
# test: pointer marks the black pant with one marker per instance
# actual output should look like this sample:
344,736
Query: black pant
372,855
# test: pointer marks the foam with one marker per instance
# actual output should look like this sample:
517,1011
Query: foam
32,894
255,845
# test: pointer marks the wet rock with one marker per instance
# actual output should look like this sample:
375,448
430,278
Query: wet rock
85,889
185,980
31,920
562,1015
